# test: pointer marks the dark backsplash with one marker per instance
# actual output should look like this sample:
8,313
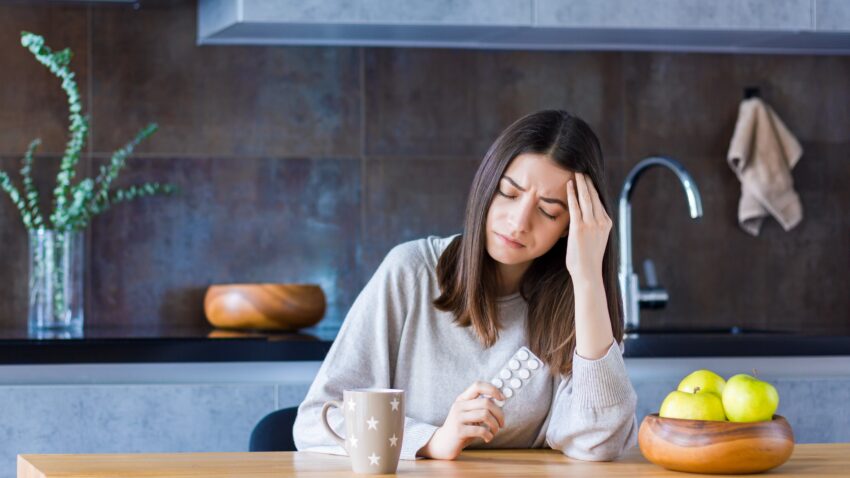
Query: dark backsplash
308,164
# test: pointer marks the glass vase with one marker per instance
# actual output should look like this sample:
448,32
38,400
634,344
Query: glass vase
55,284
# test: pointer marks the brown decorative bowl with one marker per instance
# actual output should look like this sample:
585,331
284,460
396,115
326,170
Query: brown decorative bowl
701,446
264,306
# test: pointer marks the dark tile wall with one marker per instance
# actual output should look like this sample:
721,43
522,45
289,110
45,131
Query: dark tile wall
308,164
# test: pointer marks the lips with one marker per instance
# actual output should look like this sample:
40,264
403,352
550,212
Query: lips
510,242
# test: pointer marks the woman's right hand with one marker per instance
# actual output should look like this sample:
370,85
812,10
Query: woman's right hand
470,417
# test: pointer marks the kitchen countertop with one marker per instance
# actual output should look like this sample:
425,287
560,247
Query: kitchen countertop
164,345
206,344
807,460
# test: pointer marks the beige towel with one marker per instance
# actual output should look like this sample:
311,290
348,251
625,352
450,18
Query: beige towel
762,154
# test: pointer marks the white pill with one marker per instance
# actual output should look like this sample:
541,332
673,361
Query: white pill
497,382
508,392
500,403
505,373
522,355
533,364
513,364
516,383
524,374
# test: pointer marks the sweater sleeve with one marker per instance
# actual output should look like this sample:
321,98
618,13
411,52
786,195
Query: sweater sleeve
593,413
364,356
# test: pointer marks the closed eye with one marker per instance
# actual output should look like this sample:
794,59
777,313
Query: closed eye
548,216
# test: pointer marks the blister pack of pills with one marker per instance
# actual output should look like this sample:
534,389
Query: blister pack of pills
517,372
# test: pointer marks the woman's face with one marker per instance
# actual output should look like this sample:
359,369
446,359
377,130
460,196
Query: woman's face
528,213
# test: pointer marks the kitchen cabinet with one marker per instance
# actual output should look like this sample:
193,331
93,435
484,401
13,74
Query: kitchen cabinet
213,407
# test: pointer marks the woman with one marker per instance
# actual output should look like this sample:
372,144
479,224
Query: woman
440,317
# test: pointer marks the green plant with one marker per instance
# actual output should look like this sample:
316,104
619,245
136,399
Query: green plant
74,205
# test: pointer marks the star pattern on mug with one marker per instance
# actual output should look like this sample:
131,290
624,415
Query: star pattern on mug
353,441
373,424
393,440
373,459
395,403
351,404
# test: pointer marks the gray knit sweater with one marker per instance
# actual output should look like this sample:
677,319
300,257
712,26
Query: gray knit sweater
394,337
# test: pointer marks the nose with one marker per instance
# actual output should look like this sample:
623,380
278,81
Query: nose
519,217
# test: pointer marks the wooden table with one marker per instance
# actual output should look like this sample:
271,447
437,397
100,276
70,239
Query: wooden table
807,460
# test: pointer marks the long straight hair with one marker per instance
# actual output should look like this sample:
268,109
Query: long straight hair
468,276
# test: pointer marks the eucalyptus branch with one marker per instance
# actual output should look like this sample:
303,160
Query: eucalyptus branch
132,192
74,204
29,189
17,200
57,63
78,214
119,160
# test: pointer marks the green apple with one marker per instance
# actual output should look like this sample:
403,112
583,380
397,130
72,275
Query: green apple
697,405
705,380
748,399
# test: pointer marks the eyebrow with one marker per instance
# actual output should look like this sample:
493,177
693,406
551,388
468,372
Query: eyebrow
549,200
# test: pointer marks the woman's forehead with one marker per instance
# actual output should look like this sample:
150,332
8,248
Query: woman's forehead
538,170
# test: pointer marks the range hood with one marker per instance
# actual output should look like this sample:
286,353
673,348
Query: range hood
738,26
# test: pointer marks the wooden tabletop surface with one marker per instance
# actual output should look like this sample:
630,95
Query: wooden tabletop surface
807,460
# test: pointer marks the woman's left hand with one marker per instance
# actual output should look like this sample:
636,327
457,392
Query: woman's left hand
588,230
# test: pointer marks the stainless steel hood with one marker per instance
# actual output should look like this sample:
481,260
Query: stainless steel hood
742,26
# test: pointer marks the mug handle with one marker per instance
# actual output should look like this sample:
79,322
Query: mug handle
337,438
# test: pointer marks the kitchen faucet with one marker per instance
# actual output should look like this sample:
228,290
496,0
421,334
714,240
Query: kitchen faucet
632,294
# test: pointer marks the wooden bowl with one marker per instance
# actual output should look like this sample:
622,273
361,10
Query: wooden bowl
700,446
264,306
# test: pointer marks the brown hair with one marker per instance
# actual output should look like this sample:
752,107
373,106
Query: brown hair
468,275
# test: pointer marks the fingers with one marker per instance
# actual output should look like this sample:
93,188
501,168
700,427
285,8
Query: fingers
481,388
476,416
584,199
487,405
588,205
479,417
598,209
475,431
572,202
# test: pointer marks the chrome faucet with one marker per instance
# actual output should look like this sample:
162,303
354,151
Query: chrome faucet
632,294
